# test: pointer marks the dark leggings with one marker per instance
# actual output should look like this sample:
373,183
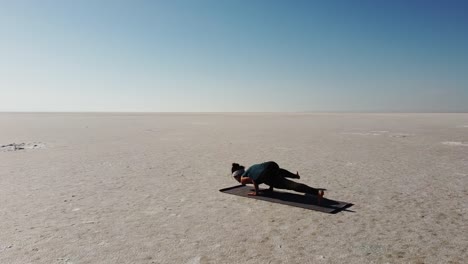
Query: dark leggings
276,177
287,174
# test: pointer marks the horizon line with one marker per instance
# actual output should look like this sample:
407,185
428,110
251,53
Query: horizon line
231,112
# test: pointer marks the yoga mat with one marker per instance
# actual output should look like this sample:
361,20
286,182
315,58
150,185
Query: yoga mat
292,199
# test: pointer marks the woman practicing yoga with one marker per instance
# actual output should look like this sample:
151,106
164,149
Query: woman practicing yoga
272,175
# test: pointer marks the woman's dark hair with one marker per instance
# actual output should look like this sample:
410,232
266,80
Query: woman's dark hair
236,166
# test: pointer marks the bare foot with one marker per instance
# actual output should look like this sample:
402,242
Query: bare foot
320,196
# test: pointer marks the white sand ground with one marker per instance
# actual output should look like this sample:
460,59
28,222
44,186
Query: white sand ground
143,188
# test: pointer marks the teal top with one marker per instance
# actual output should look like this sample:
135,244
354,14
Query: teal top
255,172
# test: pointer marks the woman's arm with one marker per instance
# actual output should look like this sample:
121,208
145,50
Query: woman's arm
245,180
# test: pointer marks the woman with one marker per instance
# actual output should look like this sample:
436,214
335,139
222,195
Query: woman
272,175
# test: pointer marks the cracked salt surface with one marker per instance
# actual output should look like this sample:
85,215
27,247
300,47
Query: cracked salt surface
455,143
21,146
379,133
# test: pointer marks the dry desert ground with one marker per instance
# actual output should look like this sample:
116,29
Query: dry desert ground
143,188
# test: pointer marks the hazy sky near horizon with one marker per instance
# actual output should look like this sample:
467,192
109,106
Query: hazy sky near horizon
183,56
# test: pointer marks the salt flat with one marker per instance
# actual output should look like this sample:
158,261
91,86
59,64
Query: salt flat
143,188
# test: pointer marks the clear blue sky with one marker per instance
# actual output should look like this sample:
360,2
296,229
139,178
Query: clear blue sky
224,56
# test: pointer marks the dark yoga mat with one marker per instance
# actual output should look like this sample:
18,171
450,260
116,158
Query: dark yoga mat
292,199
